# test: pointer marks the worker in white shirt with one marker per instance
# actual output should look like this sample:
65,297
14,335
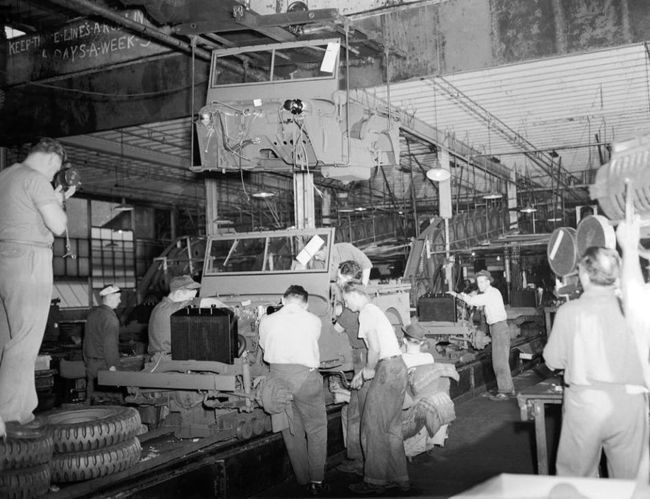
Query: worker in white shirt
289,338
605,405
381,419
495,315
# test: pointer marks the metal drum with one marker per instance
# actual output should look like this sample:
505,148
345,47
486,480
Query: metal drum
594,230
562,251
629,165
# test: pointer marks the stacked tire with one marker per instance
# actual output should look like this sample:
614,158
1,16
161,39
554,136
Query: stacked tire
25,456
93,442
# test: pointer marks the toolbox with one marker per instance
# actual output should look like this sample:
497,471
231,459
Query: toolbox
204,334
438,307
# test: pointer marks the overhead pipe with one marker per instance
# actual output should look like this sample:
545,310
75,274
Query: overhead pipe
83,7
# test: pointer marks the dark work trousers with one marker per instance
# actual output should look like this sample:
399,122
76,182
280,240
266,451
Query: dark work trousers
501,356
381,424
603,417
355,409
25,294
93,366
307,446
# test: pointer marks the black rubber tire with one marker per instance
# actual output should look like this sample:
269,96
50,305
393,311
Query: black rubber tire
93,428
78,466
244,429
258,426
26,446
25,483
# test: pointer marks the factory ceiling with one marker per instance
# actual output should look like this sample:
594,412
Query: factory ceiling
542,114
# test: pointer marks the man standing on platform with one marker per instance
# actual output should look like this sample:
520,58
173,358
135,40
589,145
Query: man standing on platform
605,398
496,318
289,338
31,214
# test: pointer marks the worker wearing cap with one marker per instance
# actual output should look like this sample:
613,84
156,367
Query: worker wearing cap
182,293
101,337
414,339
342,252
495,315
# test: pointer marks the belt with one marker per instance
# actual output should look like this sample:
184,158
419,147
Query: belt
27,243
497,322
391,357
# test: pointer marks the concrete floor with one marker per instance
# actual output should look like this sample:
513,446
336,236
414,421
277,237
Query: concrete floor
487,438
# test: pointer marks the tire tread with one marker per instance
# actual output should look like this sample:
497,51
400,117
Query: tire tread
118,425
78,466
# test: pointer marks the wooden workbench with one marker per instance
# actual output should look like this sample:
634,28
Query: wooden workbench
532,404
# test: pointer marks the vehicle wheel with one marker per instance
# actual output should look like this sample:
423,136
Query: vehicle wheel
77,466
244,430
25,483
93,428
258,426
26,445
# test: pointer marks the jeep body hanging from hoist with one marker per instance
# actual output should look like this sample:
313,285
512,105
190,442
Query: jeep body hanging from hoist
287,112
283,112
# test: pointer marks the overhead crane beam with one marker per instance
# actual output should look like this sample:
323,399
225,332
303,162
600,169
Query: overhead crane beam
538,156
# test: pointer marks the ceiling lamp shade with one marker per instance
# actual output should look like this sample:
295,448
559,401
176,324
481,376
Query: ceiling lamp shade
492,195
123,206
528,209
438,174
263,195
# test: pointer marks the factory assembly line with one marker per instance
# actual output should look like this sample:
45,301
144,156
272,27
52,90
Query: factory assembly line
201,421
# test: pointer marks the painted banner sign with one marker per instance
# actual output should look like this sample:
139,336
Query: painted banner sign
78,46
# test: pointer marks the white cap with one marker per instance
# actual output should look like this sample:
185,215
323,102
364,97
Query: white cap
109,290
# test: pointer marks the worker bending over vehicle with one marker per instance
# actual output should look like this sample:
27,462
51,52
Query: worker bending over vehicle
289,338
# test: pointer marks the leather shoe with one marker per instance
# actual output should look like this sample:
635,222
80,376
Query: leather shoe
401,486
317,489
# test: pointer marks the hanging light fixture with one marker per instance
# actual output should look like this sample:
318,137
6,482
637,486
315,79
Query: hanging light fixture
438,174
263,195
492,194
123,206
